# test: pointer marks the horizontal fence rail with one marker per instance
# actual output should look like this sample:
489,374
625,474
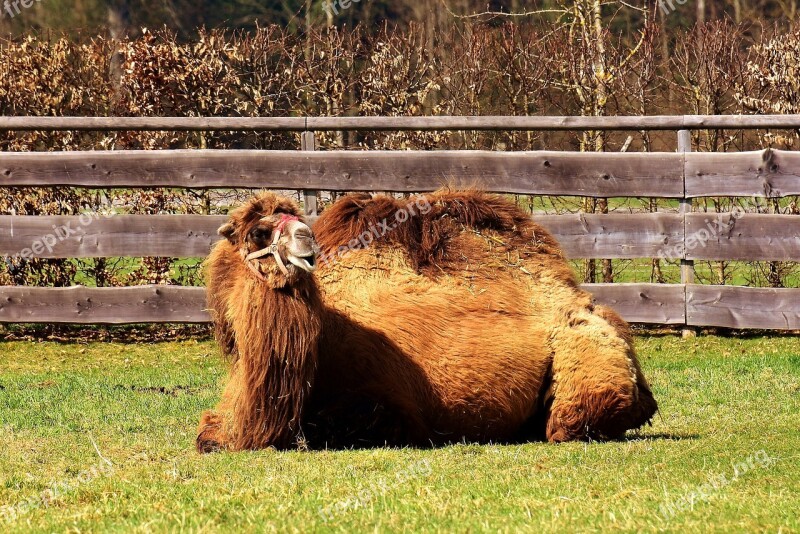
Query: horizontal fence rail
750,237
766,173
685,235
535,173
670,304
746,237
644,303
743,307
440,123
650,303
93,305
639,235
98,236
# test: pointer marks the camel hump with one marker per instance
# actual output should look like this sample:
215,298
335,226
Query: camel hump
425,224
481,210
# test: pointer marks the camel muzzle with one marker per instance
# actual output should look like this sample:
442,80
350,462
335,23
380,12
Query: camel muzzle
301,249
297,242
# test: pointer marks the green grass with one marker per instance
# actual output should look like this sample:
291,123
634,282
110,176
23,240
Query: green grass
723,400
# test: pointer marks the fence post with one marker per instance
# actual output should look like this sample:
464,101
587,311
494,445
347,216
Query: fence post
308,142
687,266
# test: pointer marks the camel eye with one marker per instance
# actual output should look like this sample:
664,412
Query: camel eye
260,234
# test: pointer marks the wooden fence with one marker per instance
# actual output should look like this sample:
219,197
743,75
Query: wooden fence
682,175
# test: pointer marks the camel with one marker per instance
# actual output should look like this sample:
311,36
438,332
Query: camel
422,321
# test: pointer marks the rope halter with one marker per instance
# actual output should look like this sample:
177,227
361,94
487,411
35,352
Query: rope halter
272,248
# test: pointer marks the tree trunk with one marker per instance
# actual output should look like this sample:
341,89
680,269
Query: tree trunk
119,20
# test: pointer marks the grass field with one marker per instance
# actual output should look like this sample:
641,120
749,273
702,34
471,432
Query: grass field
100,437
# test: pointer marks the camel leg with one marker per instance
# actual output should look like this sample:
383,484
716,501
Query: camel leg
598,390
210,435
213,433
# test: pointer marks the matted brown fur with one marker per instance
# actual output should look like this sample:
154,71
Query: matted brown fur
462,321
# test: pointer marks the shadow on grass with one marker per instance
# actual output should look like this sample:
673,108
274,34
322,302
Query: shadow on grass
318,447
362,444
661,436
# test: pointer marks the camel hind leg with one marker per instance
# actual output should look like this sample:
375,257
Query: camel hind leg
598,390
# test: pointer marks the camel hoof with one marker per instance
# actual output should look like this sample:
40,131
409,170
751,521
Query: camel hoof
207,446
559,436
208,440
208,437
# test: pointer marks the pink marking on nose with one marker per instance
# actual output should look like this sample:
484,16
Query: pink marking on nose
285,219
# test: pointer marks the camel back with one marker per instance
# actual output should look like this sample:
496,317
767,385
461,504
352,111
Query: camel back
425,225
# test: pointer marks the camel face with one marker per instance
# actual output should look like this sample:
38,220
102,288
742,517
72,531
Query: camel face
277,247
281,241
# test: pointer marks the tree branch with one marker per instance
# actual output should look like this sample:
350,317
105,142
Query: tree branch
500,13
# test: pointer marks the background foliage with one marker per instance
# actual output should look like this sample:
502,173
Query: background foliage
580,57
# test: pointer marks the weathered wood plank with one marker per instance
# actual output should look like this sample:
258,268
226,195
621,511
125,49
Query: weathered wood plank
743,307
767,173
143,124
642,303
649,303
308,142
739,122
685,207
89,305
556,123
747,237
615,235
545,173
98,236
500,123
724,306
184,236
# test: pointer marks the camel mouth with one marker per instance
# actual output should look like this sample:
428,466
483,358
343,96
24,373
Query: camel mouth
307,263
303,261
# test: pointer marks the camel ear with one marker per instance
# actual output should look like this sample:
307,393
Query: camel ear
227,231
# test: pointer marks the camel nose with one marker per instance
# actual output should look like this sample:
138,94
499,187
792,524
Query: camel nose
301,232
300,246
300,236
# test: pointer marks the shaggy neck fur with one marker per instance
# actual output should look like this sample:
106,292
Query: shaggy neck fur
276,337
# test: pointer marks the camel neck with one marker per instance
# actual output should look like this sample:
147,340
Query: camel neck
277,340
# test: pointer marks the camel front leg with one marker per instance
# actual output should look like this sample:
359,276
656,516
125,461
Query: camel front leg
214,432
210,434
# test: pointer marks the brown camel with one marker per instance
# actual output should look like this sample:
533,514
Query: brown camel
445,317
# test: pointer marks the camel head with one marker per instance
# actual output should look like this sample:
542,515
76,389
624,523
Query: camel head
271,238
